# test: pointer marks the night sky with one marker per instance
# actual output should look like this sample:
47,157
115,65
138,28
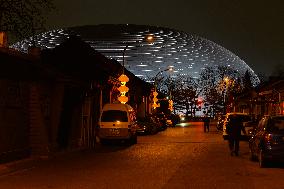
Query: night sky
253,30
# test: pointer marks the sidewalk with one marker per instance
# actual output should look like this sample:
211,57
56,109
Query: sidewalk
16,166
29,163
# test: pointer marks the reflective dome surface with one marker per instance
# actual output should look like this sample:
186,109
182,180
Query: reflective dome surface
186,54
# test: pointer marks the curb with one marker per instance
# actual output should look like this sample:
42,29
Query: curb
31,162
16,166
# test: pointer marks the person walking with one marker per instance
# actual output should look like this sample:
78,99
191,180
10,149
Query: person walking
234,129
206,123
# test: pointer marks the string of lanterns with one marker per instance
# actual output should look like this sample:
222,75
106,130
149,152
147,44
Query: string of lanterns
123,89
155,100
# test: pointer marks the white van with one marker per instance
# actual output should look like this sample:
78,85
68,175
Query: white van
117,121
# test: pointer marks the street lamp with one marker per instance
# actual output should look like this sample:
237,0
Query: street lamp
155,93
148,38
123,78
161,71
123,59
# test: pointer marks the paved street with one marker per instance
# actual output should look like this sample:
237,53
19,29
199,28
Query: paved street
181,157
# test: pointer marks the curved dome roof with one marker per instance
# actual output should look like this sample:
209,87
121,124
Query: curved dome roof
187,54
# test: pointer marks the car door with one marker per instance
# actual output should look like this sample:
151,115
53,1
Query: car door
253,141
259,135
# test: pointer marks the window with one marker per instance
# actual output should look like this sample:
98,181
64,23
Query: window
114,115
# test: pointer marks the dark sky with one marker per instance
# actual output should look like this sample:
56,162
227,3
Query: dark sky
251,29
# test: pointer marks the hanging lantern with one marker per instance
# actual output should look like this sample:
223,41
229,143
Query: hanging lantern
171,103
123,89
155,94
123,99
123,79
155,100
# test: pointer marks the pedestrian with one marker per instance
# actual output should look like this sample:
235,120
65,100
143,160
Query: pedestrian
206,123
234,129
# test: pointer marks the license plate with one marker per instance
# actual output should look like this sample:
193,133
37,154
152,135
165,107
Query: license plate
114,132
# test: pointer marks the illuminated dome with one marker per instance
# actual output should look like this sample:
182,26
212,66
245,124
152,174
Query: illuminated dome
187,54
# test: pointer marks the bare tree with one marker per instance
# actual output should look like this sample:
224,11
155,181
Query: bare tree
262,77
183,91
22,18
247,84
218,84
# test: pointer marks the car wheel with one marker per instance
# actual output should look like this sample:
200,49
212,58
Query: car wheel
133,140
261,159
154,130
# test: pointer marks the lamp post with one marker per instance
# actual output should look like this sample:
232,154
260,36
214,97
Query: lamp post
161,71
123,55
155,93
148,38
123,78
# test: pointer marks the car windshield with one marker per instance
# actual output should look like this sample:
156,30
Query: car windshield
276,124
114,115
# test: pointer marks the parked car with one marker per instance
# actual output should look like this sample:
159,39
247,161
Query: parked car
244,117
163,121
170,123
267,141
117,122
147,125
250,126
174,118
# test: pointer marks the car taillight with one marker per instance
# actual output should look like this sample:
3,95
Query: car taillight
269,138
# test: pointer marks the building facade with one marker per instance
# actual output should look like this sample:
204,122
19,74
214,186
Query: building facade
51,99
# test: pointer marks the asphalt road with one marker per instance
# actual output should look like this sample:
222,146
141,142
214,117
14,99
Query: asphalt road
181,157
